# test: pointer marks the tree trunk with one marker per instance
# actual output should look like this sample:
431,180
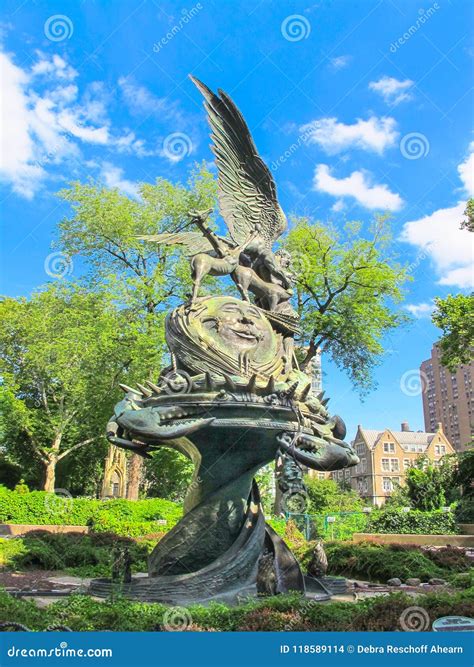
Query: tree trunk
135,465
50,475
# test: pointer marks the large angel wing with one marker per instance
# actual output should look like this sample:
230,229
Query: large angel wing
247,191
194,242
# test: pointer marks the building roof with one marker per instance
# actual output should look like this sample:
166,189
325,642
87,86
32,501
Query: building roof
404,438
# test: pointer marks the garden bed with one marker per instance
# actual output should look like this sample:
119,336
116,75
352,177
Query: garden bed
420,540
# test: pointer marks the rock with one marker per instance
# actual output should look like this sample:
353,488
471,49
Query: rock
437,582
413,581
394,582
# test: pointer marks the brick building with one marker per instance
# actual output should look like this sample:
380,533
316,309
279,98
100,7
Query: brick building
448,398
386,455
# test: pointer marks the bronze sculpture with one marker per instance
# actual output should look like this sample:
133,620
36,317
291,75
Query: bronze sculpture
233,396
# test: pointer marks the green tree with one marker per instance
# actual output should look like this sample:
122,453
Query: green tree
454,315
63,353
325,495
168,474
468,223
427,486
464,474
346,287
146,278
104,227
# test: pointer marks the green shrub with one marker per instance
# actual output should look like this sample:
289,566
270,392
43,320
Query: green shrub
124,517
414,522
377,562
284,612
464,512
83,555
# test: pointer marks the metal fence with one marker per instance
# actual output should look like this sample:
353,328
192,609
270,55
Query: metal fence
331,526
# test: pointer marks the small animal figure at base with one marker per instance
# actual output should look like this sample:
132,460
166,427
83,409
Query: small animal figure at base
121,565
266,575
318,565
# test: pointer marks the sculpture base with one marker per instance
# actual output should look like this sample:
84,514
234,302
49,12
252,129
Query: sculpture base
151,589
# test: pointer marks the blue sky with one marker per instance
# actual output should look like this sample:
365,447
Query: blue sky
357,108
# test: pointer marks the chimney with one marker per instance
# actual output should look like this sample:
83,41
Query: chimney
405,427
439,427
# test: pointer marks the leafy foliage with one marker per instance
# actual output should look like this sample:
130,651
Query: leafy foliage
53,398
84,555
379,562
120,516
414,522
454,315
325,495
168,474
104,229
346,286
283,612
468,222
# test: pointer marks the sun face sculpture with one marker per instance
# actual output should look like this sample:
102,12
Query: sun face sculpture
225,335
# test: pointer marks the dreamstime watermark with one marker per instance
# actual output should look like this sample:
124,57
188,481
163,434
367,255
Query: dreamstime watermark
414,382
415,619
295,28
177,146
177,382
176,619
294,501
61,651
186,17
414,146
58,265
58,28
59,502
423,17
290,151
411,268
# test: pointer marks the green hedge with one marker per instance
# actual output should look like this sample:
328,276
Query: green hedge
415,522
380,562
82,555
124,517
284,612
464,511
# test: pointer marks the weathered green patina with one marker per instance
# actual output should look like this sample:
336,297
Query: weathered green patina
233,397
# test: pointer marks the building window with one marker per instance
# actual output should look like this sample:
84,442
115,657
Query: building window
406,463
386,465
363,463
389,447
395,481
387,484
394,465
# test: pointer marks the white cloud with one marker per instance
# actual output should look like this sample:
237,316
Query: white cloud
357,186
141,101
449,247
462,277
392,90
374,134
46,122
113,178
56,66
466,171
338,206
420,310
17,146
340,62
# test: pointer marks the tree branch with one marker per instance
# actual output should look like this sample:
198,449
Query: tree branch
71,449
